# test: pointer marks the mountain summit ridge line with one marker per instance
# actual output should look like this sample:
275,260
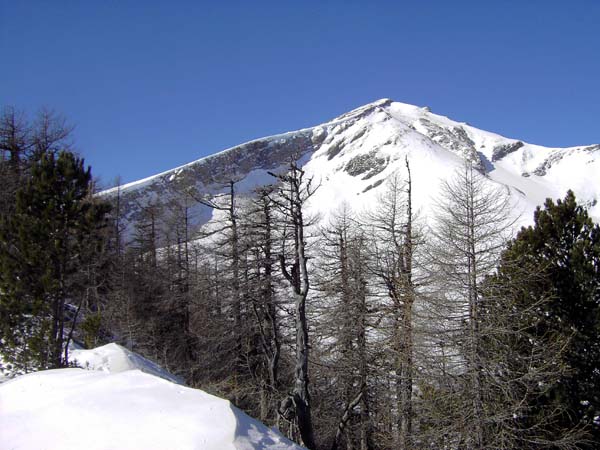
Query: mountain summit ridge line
355,152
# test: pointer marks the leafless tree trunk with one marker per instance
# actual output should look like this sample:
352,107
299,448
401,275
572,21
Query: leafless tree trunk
258,231
232,241
393,246
294,194
342,291
471,229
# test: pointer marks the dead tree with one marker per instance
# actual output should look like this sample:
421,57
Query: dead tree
342,289
293,195
232,253
471,229
259,232
394,241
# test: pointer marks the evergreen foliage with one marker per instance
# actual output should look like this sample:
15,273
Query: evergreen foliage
563,301
47,247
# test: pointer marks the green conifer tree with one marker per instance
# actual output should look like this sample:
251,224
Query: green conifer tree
563,247
55,232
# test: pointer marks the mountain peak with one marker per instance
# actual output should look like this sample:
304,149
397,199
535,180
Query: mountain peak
365,110
355,153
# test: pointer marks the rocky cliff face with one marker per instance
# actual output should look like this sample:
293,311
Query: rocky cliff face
352,156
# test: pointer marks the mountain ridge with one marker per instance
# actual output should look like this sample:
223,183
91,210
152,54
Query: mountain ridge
354,153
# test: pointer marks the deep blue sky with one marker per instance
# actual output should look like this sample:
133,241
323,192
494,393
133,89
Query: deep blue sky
152,85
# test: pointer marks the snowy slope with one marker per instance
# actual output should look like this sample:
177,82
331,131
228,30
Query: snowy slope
121,407
113,358
352,156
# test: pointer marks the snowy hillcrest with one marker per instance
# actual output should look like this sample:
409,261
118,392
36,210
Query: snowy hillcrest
123,401
352,155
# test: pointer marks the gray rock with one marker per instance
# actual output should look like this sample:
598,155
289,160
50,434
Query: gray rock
501,151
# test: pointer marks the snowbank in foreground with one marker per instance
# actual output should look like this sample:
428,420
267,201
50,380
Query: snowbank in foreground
124,402
74,408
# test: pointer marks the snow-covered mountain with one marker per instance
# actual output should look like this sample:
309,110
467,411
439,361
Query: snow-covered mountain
352,155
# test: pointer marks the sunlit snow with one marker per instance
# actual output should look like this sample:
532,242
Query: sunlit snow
119,406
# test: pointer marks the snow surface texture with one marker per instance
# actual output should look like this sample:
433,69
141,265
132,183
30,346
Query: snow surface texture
120,407
353,155
114,358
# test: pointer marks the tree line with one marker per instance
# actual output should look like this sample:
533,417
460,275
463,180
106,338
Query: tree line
361,330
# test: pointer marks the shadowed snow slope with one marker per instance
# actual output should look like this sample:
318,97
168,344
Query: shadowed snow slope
75,408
